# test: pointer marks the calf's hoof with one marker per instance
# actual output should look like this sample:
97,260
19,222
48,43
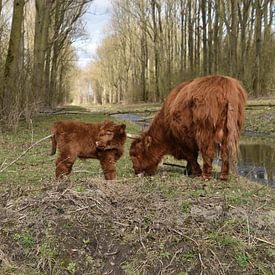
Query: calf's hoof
223,177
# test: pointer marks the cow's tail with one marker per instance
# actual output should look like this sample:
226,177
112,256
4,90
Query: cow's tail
54,142
235,118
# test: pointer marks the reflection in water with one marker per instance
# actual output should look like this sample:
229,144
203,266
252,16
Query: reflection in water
257,162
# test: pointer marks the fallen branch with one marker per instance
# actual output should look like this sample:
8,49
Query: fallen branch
175,165
144,119
131,112
69,113
25,152
265,241
259,105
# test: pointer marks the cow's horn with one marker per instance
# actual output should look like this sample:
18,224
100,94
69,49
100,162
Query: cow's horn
132,136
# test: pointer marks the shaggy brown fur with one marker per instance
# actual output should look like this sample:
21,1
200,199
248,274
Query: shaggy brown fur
196,116
75,139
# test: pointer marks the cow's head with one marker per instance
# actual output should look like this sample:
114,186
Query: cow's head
142,155
111,136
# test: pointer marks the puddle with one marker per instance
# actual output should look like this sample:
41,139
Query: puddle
257,159
257,153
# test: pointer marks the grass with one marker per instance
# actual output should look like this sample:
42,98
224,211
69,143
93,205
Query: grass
168,224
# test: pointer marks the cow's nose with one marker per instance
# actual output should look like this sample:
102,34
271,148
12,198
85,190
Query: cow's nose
97,143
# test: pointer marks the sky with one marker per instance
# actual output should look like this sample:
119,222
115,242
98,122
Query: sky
95,21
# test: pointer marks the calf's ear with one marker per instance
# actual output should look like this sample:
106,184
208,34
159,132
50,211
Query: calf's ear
122,128
147,141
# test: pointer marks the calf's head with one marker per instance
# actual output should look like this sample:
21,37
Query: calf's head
143,157
111,136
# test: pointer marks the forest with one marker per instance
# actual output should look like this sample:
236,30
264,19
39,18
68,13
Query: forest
150,46
153,45
37,56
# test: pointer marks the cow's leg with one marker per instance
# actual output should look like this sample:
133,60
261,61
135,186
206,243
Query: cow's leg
108,165
64,164
207,152
193,167
225,160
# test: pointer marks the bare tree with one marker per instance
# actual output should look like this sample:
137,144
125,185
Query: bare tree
10,91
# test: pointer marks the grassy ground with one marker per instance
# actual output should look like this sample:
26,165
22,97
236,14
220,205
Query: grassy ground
167,224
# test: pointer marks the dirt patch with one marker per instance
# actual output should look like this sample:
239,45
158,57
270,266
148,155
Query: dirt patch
148,226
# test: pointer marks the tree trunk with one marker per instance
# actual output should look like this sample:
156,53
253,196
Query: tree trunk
156,52
10,91
217,38
233,39
210,38
258,46
204,39
190,38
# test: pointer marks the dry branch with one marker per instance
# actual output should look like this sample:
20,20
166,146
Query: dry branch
68,113
131,112
24,153
174,165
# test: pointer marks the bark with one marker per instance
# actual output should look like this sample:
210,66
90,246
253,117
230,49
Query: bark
9,97
190,38
258,46
233,39
204,39
156,50
210,38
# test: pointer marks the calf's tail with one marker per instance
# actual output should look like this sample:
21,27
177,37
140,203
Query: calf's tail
54,144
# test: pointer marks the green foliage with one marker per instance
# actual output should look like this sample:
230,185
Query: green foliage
186,206
242,259
72,267
47,250
25,239
128,268
225,239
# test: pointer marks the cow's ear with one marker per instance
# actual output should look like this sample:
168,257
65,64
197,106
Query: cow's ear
147,141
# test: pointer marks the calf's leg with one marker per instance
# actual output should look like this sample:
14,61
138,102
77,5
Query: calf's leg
108,165
64,164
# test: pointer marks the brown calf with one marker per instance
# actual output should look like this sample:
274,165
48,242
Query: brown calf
74,139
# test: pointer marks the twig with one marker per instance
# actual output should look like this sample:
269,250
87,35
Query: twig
248,231
220,264
25,152
111,253
140,239
131,112
81,208
264,241
174,256
144,119
173,164
202,264
184,236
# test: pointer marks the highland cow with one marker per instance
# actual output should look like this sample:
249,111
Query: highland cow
103,141
196,116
